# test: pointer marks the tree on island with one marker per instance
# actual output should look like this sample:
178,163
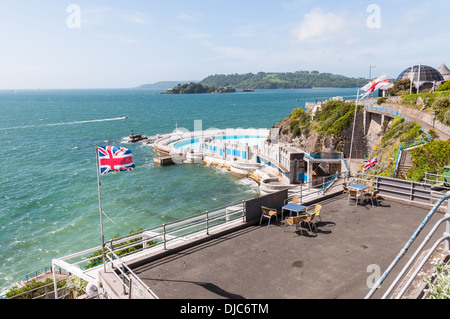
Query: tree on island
197,88
296,80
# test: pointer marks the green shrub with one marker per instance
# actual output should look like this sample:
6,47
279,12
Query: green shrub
444,87
394,130
430,157
438,283
31,289
433,133
335,116
296,132
447,117
381,100
441,104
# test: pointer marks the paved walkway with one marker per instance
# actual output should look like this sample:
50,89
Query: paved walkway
277,263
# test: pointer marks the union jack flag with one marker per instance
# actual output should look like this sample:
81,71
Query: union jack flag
114,159
370,163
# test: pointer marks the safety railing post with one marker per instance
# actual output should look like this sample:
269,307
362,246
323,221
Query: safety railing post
123,280
129,288
447,226
164,236
112,253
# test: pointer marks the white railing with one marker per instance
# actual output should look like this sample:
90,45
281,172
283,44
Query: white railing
122,250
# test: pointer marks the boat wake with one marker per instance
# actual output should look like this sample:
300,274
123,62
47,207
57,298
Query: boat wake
66,123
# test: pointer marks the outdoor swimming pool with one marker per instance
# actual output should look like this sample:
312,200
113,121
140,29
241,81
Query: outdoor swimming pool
194,143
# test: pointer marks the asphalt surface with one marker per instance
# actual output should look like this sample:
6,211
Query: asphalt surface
339,261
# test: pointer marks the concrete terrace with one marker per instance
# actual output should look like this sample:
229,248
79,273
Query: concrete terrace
276,263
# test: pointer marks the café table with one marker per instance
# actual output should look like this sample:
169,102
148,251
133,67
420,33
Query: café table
292,208
359,187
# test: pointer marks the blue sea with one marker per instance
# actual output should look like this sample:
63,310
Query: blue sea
48,189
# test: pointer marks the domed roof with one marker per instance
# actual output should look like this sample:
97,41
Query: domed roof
427,74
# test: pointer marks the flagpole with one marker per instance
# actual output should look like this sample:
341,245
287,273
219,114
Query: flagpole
353,133
100,208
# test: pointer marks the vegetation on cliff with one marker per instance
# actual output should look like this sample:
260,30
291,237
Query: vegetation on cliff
430,157
295,80
323,133
393,134
335,117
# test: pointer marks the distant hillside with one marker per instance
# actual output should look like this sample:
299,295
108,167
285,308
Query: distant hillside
296,80
162,85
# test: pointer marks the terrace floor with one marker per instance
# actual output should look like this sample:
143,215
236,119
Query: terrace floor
261,262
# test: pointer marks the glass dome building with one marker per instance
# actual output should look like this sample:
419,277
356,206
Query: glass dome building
427,74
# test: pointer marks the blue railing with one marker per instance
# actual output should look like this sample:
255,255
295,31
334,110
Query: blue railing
324,155
41,271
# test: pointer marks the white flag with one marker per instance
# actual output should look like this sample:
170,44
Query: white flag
375,84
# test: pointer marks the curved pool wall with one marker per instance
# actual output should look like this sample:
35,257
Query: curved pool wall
182,142
233,149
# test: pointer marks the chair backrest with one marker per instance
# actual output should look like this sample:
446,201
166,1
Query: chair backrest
295,199
265,210
293,220
317,209
370,185
310,217
345,188
353,192
375,193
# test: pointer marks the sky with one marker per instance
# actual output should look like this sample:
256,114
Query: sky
57,44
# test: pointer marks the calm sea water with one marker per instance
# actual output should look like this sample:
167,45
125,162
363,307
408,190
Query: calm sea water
48,189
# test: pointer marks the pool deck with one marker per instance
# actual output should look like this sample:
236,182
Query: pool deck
271,262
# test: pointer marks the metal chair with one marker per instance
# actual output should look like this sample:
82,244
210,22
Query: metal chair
309,219
268,213
294,200
353,194
372,195
316,211
292,221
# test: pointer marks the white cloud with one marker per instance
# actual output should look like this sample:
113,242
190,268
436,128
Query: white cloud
318,25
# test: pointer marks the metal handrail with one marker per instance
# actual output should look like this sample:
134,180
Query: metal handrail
297,190
412,189
406,247
124,274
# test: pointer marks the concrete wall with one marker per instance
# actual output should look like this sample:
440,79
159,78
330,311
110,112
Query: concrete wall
359,142
253,206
